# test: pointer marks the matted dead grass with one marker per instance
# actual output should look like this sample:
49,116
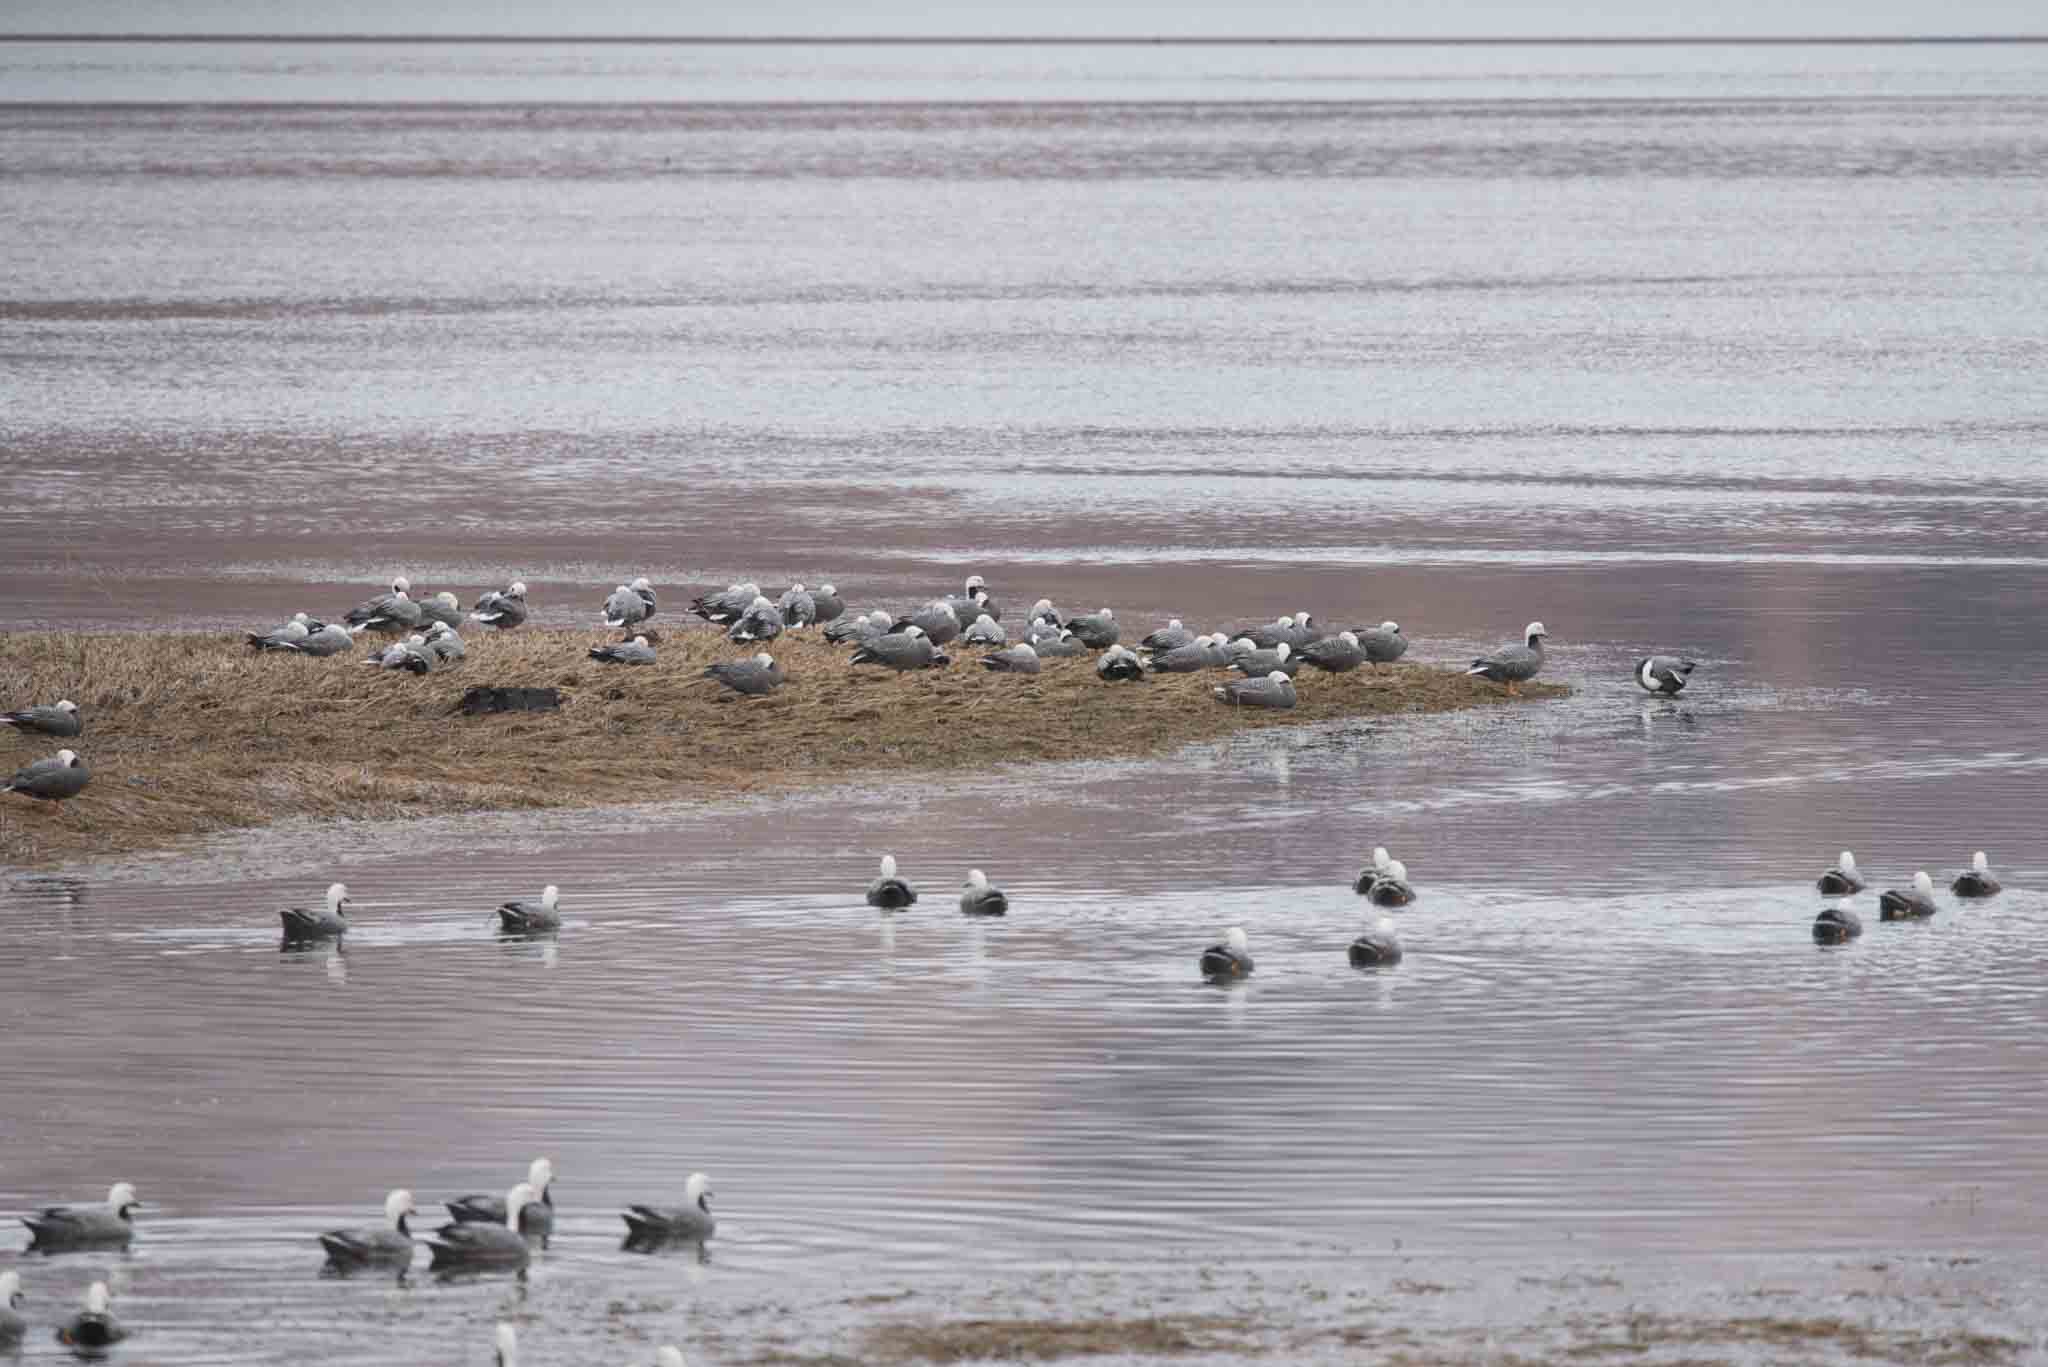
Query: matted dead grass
190,734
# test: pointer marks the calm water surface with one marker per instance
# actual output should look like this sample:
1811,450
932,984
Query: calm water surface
1732,352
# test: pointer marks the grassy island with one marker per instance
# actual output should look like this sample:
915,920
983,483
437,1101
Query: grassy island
189,734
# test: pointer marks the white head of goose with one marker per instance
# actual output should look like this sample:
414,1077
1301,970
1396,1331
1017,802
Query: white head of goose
1230,959
1977,880
1843,879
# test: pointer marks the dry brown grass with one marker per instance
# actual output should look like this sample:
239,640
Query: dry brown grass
192,734
1045,1340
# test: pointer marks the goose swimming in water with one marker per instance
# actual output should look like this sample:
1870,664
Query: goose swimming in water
1913,904
1977,880
1229,960
692,1220
1391,888
1380,867
390,1242
1844,879
526,918
888,891
328,923
1513,665
1378,947
1835,925
537,1220
12,1325
94,1326
981,897
1665,674
475,1244
68,1227
58,719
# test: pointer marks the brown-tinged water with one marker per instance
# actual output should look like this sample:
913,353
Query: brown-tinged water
1730,352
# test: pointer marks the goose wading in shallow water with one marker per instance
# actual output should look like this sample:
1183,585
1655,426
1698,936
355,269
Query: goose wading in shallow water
12,1325
1229,960
390,1242
981,897
633,652
1977,880
1379,868
529,918
1275,690
476,1244
1911,904
58,719
1512,666
1664,674
94,1326
327,923
55,780
1844,878
888,891
537,1221
1835,925
1377,947
1391,888
692,1220
66,1227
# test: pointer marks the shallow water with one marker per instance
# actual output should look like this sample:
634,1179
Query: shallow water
1730,353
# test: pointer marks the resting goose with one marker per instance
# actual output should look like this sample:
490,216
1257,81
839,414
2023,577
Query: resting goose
1844,879
528,918
888,891
1911,904
1229,960
1835,925
1977,880
981,897
327,923
1377,947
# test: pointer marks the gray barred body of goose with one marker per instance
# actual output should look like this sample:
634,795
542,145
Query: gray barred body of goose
1266,635
1511,666
1230,959
1018,659
692,1221
1119,663
985,631
624,608
1043,611
1379,868
390,1242
1254,663
1391,888
633,652
1908,904
1977,880
1038,629
478,1246
1378,947
390,612
981,897
974,595
1199,653
762,621
1059,646
59,718
1383,644
1339,654
1098,630
901,650
935,619
411,655
536,1218
1666,675
94,1326
12,1325
1172,636
757,676
502,609
532,918
1275,691
443,607
728,605
797,606
61,1228
331,639
328,922
888,891
866,628
55,780
827,603
1835,925
1844,879
281,638
444,643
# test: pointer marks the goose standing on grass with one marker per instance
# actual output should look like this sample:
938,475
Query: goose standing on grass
388,612
503,608
1229,960
1172,636
58,719
1018,659
1911,904
55,780
625,608
756,676
762,621
463,1245
1835,925
1379,868
528,918
1844,879
1664,674
328,923
94,1326
411,655
1275,691
1511,666
1977,880
444,643
390,1242
505,1340
1119,663
1383,644
692,1220
331,639
985,631
12,1325
888,891
797,606
826,600
901,650
443,607
1098,629
633,652
981,897
1339,654
1378,947
876,623
537,1221
282,638
57,1228
1391,888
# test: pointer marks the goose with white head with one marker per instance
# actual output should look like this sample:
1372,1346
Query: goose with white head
331,639
390,613
479,1245
104,1226
757,676
889,892
981,897
280,638
1665,675
634,652
328,922
902,651
1391,888
1908,904
1977,880
532,918
388,1244
1844,879
692,1221
985,631
1383,644
55,780
1229,960
827,603
1275,691
94,1326
58,719
798,606
727,605
1255,663
442,608
862,628
1379,868
1339,654
939,620
12,1325
537,1221
1172,636
625,607
502,609
1512,666
1378,947
1097,630
1018,659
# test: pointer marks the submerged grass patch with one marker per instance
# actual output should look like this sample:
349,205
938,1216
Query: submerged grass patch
189,734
